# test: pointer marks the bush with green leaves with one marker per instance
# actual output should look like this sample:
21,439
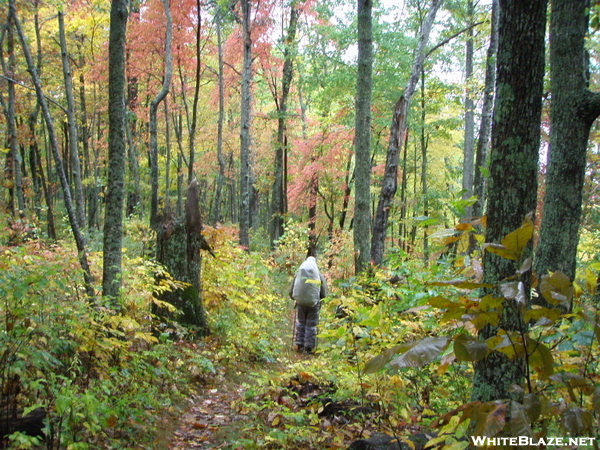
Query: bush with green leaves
103,378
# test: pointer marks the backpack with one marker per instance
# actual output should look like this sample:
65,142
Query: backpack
307,284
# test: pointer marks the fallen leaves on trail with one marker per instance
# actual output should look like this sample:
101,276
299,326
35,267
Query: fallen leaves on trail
203,425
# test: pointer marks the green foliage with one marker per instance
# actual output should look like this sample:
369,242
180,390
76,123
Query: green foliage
559,348
101,375
244,301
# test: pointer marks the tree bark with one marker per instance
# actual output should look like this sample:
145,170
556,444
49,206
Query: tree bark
153,125
178,249
14,157
398,128
468,151
245,133
513,176
221,120
485,128
113,217
72,125
278,203
573,110
362,139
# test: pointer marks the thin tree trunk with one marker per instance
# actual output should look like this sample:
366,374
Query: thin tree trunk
79,240
72,125
220,122
362,140
153,125
278,195
245,134
14,158
197,80
397,132
485,125
424,186
469,136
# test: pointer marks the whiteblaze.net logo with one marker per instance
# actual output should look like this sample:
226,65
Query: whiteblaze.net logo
523,441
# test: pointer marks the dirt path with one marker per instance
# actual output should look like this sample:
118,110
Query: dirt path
211,414
213,418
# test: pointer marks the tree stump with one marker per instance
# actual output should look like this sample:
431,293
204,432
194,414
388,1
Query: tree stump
179,241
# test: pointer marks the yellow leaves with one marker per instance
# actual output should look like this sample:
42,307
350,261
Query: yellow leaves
514,244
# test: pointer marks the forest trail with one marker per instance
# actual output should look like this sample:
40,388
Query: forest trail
214,416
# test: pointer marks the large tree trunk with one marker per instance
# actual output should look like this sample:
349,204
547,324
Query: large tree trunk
513,176
362,140
79,240
245,134
573,110
178,249
398,128
113,217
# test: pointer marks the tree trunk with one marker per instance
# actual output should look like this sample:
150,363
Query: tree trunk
113,217
197,80
153,117
72,124
397,132
573,110
245,135
178,249
513,176
362,140
468,151
79,240
485,128
14,158
424,180
278,203
221,121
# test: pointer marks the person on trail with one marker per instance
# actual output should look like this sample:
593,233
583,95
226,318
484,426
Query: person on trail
308,289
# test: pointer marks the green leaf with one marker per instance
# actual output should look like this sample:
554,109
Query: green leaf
379,362
467,348
541,358
462,284
577,421
489,419
519,421
422,352
533,406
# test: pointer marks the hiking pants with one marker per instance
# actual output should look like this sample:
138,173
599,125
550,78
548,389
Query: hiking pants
307,319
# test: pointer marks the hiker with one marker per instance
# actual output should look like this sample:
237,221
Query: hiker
308,288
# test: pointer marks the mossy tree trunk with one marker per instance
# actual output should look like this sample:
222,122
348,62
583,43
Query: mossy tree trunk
178,249
512,190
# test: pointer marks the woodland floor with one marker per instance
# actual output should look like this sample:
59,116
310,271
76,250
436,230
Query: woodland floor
213,417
